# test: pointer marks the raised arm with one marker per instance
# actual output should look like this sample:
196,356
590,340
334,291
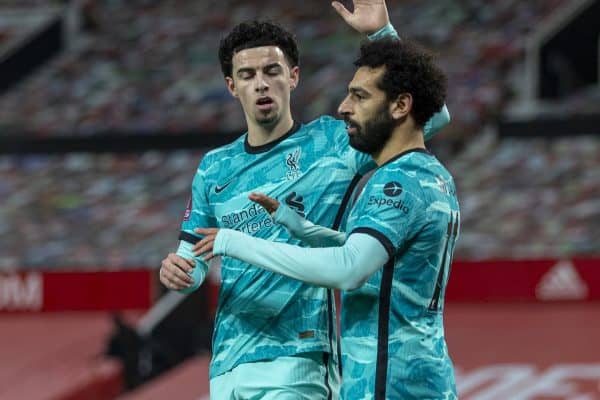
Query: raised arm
371,18
368,17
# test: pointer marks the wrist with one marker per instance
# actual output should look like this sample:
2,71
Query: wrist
387,30
282,214
220,244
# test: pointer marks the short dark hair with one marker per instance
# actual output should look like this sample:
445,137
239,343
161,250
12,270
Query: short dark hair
255,34
408,69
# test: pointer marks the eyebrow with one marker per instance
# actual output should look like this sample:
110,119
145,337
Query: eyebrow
266,67
358,90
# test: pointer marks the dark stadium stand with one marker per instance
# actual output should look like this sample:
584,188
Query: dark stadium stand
103,210
527,198
122,76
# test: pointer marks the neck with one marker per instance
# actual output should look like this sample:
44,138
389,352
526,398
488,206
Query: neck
259,135
400,141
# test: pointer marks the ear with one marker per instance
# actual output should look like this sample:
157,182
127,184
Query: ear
294,77
231,86
402,106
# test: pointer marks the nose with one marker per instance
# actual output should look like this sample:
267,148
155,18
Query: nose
261,84
344,108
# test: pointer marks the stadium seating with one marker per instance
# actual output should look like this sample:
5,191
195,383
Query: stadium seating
151,67
143,66
94,211
520,198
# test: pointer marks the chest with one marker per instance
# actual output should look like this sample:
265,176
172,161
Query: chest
310,182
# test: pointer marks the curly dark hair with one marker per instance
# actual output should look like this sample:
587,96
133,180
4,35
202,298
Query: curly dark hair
255,34
408,69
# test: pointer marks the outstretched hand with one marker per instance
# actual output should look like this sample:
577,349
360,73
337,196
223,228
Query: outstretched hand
368,17
206,244
268,203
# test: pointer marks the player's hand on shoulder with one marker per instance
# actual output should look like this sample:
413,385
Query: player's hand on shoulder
268,203
205,246
174,272
368,17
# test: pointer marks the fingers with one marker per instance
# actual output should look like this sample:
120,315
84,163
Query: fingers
259,198
209,256
180,262
173,272
205,246
367,17
202,244
256,197
209,237
268,203
207,231
343,11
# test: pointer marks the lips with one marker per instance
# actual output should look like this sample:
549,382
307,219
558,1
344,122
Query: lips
351,127
265,103
264,100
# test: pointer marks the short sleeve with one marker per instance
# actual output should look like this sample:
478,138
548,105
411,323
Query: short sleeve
388,209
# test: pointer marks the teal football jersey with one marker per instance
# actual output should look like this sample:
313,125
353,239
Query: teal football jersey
392,327
262,315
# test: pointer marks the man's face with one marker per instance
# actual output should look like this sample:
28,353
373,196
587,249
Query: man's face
262,80
366,112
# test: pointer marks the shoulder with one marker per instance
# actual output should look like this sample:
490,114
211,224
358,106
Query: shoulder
427,168
223,154
405,176
423,174
331,133
327,124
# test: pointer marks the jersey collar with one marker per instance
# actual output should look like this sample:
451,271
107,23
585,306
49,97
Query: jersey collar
400,155
268,146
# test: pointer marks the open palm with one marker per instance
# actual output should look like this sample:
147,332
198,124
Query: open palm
368,17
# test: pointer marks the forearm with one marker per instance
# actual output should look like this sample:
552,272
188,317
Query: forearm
345,267
311,234
198,274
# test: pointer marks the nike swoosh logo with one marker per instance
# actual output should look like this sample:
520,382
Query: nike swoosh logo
219,189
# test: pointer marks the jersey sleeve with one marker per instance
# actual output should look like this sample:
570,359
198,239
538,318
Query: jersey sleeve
386,31
389,209
198,274
436,122
343,267
301,228
198,213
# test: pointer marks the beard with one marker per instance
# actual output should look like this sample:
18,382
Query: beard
376,132
268,119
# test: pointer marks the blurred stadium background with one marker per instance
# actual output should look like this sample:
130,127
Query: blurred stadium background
106,107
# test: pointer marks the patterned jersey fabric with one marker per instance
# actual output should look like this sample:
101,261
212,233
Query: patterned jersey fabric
392,327
262,315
